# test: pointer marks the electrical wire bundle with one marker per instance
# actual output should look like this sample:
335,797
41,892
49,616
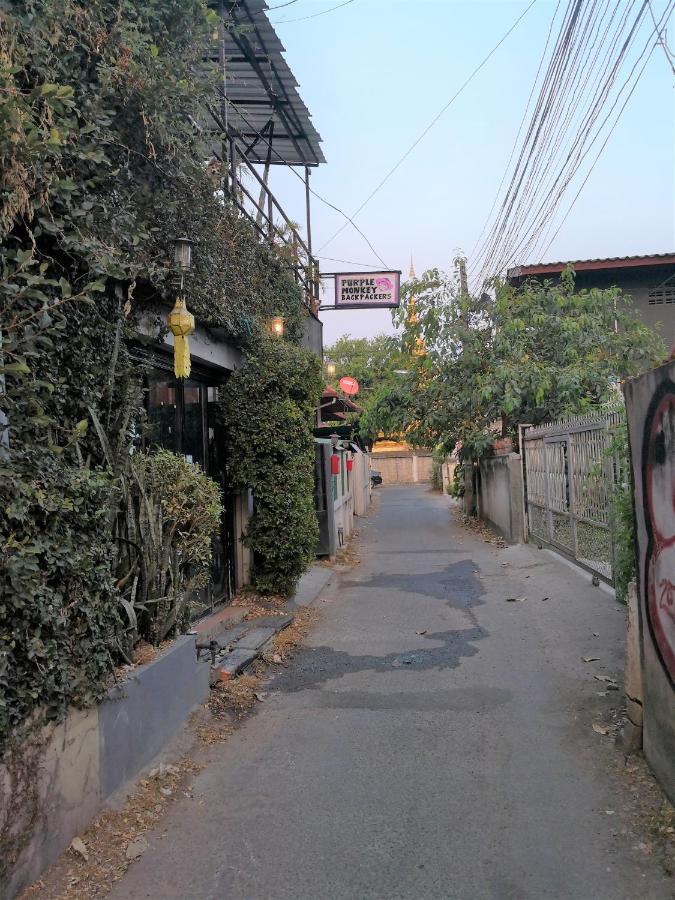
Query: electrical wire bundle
594,66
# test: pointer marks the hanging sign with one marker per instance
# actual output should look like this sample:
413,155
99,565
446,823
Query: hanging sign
349,386
367,290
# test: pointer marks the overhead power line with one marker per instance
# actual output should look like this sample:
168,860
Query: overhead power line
314,15
594,67
280,6
349,262
662,39
433,122
216,118
520,128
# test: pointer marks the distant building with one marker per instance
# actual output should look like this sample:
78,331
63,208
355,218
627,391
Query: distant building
649,280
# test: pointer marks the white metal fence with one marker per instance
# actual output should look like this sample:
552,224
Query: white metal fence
568,486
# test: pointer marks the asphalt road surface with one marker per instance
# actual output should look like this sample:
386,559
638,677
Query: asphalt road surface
430,741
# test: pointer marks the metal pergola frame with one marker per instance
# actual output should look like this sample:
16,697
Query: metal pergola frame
260,119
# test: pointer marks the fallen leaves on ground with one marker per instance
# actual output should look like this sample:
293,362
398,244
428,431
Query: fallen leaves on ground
237,694
285,643
144,653
480,529
345,556
260,605
113,839
651,812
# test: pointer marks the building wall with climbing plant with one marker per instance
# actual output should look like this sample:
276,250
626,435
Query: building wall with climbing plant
100,169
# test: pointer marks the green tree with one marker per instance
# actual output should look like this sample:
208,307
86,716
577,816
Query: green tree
529,355
381,367
372,361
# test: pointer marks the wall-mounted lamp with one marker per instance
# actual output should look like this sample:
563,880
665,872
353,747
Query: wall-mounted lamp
182,252
277,326
181,321
330,369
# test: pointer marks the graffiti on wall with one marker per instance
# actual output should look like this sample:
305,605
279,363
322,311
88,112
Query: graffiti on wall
658,473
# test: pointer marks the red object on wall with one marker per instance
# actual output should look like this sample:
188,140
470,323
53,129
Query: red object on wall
334,464
350,465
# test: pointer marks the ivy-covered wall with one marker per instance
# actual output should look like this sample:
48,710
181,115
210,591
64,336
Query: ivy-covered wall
271,451
100,169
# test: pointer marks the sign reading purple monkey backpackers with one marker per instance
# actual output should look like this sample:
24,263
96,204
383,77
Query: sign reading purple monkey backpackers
367,290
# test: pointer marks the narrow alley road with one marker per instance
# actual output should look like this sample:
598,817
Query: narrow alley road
430,741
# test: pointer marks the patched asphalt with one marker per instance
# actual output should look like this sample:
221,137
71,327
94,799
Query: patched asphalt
430,741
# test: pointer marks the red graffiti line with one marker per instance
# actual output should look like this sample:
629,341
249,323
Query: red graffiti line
667,597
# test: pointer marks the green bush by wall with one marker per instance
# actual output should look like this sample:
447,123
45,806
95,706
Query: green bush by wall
269,407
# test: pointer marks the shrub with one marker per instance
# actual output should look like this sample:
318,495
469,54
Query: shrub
59,612
622,515
171,512
269,407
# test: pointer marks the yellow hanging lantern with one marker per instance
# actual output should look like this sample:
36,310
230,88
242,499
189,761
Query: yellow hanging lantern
181,323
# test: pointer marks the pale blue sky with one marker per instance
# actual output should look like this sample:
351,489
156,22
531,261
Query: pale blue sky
375,72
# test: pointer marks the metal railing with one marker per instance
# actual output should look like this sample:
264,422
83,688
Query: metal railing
267,216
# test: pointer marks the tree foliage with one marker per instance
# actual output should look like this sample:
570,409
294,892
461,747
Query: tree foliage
379,364
271,451
527,356
374,362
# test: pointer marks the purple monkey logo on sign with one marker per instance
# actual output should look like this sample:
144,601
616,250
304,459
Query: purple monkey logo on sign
659,492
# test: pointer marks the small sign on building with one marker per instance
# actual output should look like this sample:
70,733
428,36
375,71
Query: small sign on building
367,290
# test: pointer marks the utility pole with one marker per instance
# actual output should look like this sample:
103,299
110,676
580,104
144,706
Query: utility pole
460,265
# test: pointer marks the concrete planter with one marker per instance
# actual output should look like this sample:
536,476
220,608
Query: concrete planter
94,752
144,712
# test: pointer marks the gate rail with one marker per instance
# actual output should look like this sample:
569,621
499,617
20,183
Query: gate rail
569,476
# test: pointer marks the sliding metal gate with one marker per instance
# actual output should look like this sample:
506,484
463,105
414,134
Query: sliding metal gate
569,476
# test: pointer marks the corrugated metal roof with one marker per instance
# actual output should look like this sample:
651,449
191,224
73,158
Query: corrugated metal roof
610,262
262,93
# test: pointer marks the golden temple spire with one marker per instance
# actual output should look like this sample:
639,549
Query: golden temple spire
419,348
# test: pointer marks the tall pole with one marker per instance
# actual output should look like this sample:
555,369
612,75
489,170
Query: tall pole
223,98
463,280
307,208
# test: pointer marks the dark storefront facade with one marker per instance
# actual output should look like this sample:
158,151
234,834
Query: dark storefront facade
182,417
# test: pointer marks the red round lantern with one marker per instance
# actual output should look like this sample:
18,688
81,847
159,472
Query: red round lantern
350,465
334,464
349,385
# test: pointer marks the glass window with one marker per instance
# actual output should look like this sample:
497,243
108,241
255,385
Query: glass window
194,423
162,411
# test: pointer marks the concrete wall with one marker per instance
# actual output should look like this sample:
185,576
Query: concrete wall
67,795
500,495
650,407
95,752
448,472
403,467
361,487
142,714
